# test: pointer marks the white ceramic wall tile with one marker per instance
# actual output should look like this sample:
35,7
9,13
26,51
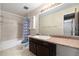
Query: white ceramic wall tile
10,26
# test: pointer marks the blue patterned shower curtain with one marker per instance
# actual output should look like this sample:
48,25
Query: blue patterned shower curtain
26,32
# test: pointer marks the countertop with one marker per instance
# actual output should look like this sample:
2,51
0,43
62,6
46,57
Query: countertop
61,40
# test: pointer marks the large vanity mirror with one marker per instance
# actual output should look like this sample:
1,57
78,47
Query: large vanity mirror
62,20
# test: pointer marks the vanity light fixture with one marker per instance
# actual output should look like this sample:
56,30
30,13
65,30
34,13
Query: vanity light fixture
50,6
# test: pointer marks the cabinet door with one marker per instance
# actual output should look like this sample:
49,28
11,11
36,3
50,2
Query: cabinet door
32,47
42,50
52,50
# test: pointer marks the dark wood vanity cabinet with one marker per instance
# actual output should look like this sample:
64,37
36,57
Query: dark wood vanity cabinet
42,48
32,47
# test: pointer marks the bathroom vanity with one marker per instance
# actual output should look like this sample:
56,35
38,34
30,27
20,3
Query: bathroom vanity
39,47
46,45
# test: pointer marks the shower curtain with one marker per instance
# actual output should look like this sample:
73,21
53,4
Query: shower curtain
26,31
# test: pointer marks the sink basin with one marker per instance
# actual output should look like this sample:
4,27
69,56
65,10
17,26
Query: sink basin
42,37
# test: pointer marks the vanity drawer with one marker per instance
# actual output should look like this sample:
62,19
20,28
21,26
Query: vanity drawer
45,43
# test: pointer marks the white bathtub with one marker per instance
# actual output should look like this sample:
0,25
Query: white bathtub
9,44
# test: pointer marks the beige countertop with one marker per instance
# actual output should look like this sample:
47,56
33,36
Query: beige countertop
61,40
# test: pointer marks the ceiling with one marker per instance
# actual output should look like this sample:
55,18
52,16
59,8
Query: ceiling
18,8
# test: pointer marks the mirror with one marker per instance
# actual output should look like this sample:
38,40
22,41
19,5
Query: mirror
62,20
69,24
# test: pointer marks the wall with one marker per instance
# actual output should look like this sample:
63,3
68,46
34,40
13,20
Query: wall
20,29
53,24
0,22
11,23
36,12
35,30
